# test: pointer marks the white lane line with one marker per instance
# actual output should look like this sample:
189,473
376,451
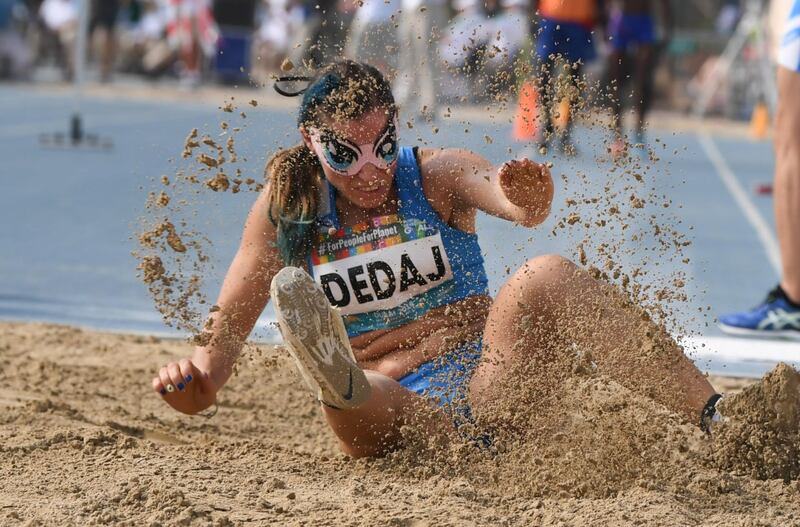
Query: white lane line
62,125
751,357
122,319
763,230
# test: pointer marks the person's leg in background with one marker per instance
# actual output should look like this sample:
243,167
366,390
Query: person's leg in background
372,42
617,75
644,70
353,48
509,34
787,181
104,20
416,83
405,87
545,88
573,47
645,61
307,43
619,66
190,55
574,96
544,75
436,22
779,314
333,34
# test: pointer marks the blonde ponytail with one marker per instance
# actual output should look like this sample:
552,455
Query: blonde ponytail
293,200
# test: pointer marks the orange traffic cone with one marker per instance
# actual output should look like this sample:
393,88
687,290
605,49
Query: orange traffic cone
759,121
525,119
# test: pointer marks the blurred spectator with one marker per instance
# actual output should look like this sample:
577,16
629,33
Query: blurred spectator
15,57
278,23
60,18
482,43
236,19
509,32
421,25
193,33
461,42
634,53
104,21
143,47
728,17
468,32
564,34
373,36
326,30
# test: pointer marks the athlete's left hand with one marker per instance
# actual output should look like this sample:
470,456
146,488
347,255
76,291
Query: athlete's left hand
529,186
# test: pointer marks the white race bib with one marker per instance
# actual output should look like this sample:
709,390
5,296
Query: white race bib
379,265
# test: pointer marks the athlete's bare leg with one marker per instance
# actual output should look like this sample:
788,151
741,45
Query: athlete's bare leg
546,78
373,429
550,303
787,179
643,83
617,70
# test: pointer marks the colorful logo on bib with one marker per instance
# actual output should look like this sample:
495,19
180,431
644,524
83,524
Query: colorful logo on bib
380,264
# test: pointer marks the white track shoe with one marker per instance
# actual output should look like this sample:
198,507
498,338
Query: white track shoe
315,336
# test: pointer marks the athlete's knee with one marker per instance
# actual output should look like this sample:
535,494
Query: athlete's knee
550,264
541,272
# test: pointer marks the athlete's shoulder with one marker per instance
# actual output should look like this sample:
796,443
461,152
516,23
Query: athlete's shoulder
442,163
451,163
436,154
260,220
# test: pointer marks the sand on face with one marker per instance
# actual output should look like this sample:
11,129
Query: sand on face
84,440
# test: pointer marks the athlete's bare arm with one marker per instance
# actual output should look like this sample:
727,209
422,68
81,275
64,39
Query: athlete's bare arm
519,190
244,294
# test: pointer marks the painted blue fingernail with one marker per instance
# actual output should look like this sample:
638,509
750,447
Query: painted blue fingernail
163,391
188,379
180,386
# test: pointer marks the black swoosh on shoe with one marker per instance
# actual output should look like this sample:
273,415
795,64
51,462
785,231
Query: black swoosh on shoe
349,394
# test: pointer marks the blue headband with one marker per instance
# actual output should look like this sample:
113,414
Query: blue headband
315,94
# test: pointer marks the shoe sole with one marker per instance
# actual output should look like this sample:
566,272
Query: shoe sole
314,335
772,334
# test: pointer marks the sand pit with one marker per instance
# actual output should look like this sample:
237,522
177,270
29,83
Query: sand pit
84,440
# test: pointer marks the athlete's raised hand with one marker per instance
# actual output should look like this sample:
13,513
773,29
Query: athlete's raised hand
527,185
185,387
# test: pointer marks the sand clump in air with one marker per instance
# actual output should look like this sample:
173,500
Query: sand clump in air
172,251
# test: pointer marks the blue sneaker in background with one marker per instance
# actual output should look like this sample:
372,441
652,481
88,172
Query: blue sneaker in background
776,317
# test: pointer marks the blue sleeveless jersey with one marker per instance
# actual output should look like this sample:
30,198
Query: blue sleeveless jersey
394,269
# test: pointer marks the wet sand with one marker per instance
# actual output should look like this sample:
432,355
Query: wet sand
83,440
